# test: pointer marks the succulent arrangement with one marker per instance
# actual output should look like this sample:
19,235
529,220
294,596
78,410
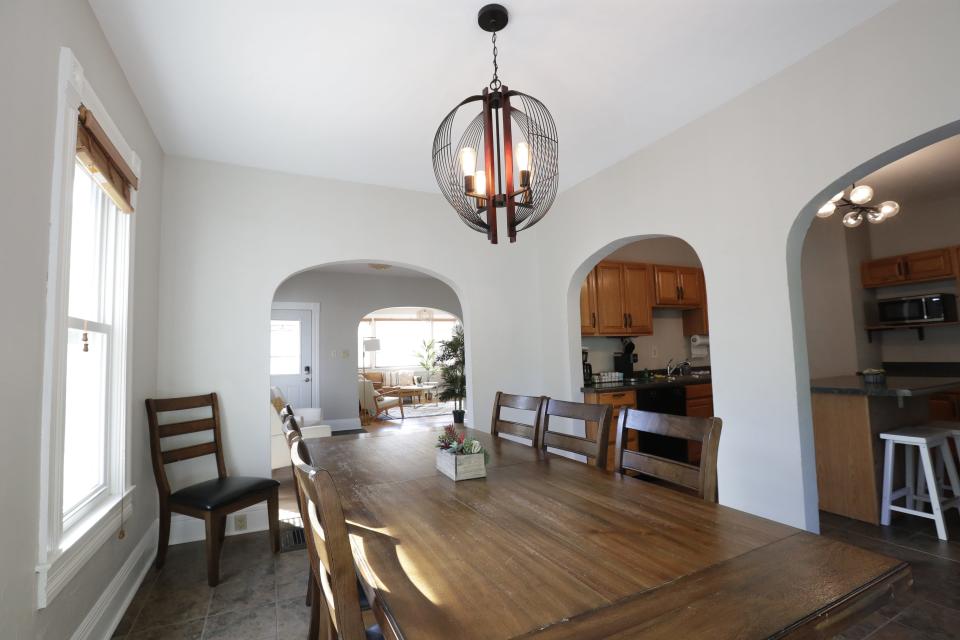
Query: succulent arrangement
457,443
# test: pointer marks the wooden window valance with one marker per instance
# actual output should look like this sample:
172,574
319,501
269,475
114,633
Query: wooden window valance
104,161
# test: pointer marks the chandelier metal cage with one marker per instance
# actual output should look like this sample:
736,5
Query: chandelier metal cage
513,139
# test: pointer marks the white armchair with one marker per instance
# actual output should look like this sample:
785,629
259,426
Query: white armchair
374,402
306,416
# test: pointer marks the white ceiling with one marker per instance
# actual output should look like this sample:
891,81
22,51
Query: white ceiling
928,174
355,90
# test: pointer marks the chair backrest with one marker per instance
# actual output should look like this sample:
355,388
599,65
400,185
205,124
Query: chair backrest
706,431
598,414
526,403
158,431
328,544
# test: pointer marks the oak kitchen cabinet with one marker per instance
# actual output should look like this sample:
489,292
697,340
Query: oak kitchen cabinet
677,286
618,298
623,300
588,305
921,266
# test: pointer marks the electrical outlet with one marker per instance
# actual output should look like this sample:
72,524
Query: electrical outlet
653,351
240,522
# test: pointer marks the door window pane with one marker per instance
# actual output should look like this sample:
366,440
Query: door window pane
85,417
284,347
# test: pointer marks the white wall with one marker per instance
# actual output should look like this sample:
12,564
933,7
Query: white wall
231,235
344,299
31,34
758,162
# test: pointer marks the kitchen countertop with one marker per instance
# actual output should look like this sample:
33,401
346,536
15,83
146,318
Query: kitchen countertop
895,386
656,383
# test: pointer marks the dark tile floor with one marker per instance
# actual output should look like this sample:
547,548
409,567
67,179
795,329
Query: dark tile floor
934,611
260,595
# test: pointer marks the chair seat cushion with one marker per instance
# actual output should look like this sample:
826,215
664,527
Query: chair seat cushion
374,633
218,492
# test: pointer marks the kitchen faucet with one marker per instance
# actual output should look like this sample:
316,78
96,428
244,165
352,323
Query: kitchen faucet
672,369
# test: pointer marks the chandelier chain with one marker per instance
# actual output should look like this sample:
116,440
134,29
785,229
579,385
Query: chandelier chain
495,82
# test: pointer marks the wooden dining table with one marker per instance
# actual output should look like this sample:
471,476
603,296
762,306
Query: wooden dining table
549,547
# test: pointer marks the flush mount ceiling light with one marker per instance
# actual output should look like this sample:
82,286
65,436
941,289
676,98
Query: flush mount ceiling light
513,139
854,207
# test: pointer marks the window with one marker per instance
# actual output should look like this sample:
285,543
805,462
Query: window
402,332
284,347
86,365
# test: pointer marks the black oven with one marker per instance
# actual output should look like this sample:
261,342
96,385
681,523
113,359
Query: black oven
932,307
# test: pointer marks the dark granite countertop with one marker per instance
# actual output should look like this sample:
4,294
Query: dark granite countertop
656,383
895,386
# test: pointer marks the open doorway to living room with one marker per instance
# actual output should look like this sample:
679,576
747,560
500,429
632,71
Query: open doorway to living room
400,361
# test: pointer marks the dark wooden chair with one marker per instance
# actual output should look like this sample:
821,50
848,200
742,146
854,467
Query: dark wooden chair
700,480
212,500
594,448
529,432
339,612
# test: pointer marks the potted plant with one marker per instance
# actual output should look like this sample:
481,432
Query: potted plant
451,360
460,457
427,358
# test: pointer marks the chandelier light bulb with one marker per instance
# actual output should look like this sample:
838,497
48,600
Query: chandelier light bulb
875,217
523,156
889,208
836,197
852,219
827,210
468,161
480,183
861,194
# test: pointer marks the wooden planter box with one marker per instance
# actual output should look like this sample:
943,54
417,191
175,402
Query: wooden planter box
462,467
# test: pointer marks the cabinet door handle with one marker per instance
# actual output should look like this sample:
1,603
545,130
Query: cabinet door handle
899,268
625,323
678,292
681,293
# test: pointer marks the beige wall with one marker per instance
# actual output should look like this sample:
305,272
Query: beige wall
31,34
836,305
923,224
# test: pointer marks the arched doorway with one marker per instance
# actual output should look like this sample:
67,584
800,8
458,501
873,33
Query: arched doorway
314,333
838,289
644,331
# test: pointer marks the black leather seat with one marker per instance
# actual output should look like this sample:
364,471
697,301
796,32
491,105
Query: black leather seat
211,494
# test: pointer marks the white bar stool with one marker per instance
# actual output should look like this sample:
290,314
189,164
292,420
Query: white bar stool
928,439
953,431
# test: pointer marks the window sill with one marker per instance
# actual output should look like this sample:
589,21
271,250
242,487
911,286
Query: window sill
78,545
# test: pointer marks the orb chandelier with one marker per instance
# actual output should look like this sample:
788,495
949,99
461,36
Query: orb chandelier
854,208
514,142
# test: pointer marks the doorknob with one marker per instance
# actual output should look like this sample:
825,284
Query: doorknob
306,379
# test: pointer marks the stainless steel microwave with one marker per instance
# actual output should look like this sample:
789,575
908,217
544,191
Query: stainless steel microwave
931,307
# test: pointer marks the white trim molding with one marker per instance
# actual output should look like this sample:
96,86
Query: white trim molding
64,546
79,547
105,615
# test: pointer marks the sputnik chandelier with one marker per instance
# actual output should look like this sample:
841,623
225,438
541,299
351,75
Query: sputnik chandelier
854,207
514,141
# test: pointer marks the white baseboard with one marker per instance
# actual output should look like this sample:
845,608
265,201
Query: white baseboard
186,529
343,423
107,611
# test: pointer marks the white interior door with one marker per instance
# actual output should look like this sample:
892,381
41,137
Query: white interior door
291,354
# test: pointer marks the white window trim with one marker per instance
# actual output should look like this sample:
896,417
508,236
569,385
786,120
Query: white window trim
61,554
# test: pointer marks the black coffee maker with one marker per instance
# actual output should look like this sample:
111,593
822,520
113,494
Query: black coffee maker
587,369
623,361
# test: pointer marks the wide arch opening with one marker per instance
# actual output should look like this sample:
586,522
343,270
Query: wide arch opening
643,338
316,359
877,293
